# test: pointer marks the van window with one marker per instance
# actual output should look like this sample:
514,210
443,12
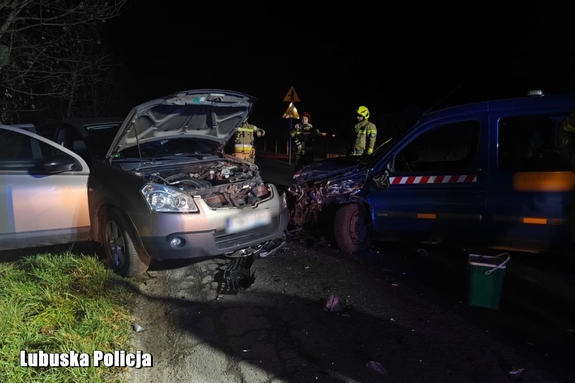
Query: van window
447,148
530,144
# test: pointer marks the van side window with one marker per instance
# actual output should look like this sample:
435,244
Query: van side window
447,148
530,144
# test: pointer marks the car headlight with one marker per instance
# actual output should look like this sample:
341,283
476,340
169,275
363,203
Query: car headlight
164,199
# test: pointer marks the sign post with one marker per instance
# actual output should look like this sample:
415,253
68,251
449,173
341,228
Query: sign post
291,113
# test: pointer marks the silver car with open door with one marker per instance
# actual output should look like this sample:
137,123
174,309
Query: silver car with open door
43,189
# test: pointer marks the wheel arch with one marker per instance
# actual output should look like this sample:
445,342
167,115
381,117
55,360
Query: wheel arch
99,225
123,247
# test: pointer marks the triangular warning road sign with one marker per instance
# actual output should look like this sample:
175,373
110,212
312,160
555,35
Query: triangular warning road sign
291,111
291,95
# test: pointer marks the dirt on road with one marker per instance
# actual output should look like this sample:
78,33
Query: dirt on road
276,329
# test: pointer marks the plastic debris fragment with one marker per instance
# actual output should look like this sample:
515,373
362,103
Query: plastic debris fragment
333,303
516,373
377,367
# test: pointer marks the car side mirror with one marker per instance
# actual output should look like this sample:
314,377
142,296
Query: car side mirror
381,180
59,163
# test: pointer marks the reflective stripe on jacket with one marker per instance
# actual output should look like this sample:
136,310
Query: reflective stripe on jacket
303,135
365,136
245,135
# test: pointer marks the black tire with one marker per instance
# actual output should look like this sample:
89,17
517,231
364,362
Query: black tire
351,228
121,248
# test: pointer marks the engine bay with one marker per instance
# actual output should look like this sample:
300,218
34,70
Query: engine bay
220,183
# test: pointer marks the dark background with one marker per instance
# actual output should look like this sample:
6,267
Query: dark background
398,60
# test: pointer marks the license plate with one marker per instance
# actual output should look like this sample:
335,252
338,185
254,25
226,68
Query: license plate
247,221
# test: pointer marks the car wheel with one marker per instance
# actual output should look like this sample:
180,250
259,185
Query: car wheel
350,228
120,247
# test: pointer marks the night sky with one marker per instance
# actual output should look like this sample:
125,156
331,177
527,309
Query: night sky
390,58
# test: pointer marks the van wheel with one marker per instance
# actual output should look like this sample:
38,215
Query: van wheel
350,228
120,247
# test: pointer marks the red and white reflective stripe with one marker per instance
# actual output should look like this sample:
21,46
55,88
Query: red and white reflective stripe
409,180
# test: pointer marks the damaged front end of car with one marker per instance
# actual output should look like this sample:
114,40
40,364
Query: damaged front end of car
262,250
314,192
221,183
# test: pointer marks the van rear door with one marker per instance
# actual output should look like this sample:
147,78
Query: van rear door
530,183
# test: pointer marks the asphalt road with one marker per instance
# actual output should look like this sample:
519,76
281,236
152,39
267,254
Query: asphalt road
404,318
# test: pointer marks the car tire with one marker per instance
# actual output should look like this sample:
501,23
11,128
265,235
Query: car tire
351,229
120,247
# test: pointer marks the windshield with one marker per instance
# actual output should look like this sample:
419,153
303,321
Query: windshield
101,136
178,147
382,148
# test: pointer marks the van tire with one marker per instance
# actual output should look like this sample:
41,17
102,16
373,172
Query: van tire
121,250
351,228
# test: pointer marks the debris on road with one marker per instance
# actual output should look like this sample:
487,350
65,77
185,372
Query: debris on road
333,303
377,367
516,374
234,276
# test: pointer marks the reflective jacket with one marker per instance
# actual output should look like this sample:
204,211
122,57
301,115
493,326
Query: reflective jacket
365,136
244,141
303,135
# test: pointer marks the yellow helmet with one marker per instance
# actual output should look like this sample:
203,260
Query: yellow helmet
363,111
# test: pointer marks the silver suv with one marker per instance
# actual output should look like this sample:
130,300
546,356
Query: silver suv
164,189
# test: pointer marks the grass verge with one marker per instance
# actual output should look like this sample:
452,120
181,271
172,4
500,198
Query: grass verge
58,303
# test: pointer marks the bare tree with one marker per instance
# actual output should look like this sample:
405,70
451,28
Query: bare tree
51,55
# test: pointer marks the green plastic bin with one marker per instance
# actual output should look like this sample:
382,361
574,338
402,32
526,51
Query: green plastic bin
486,274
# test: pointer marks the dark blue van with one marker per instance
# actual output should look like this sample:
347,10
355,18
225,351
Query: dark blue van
488,174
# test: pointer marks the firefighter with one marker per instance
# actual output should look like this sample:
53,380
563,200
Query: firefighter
304,134
365,133
567,141
244,146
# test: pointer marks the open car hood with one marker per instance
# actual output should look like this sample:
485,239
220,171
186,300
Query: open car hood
205,113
